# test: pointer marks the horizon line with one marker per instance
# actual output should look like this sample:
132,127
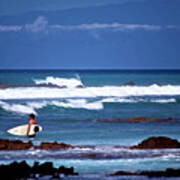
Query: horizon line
92,69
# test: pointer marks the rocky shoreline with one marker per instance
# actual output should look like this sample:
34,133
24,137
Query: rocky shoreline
19,170
22,170
150,143
16,145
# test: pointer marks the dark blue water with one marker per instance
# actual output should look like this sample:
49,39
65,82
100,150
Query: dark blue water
72,115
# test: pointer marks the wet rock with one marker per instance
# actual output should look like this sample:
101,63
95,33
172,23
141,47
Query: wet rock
66,171
15,170
135,120
4,86
89,156
49,85
54,146
143,119
166,173
80,86
22,170
123,173
44,169
130,83
158,143
14,145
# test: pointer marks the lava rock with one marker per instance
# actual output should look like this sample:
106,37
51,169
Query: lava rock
135,120
54,146
130,83
22,170
89,156
14,145
158,143
123,173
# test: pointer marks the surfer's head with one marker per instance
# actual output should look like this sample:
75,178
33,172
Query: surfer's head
31,116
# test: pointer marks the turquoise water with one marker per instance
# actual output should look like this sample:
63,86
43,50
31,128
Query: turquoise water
71,115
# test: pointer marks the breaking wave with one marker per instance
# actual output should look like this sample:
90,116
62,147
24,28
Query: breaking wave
61,82
32,107
81,103
88,92
17,108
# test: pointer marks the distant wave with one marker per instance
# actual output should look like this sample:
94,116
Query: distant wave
137,100
61,82
88,92
32,107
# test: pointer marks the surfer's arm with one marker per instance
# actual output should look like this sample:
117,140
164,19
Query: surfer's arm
28,130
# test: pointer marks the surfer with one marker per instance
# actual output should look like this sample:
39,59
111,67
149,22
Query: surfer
32,121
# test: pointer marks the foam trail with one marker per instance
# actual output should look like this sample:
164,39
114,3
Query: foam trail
119,100
72,82
88,92
81,103
125,100
17,108
171,100
37,105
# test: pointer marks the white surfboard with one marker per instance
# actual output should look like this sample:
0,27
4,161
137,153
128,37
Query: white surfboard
22,130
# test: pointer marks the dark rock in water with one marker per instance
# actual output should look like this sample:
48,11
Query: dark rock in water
143,119
22,170
15,170
80,86
135,120
14,145
158,143
66,171
91,156
44,169
130,83
54,146
123,173
166,173
10,145
4,86
49,85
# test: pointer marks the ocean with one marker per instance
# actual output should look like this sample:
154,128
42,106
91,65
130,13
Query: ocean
79,107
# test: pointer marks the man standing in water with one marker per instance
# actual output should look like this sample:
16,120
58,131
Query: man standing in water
32,121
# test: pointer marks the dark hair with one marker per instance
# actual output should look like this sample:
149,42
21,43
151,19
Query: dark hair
32,116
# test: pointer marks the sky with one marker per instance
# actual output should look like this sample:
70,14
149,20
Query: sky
90,34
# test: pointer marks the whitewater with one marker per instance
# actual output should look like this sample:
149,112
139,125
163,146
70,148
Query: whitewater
89,92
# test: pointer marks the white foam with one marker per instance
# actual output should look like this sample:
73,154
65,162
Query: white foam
71,82
80,103
31,107
171,100
17,108
88,92
125,100
37,105
119,100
